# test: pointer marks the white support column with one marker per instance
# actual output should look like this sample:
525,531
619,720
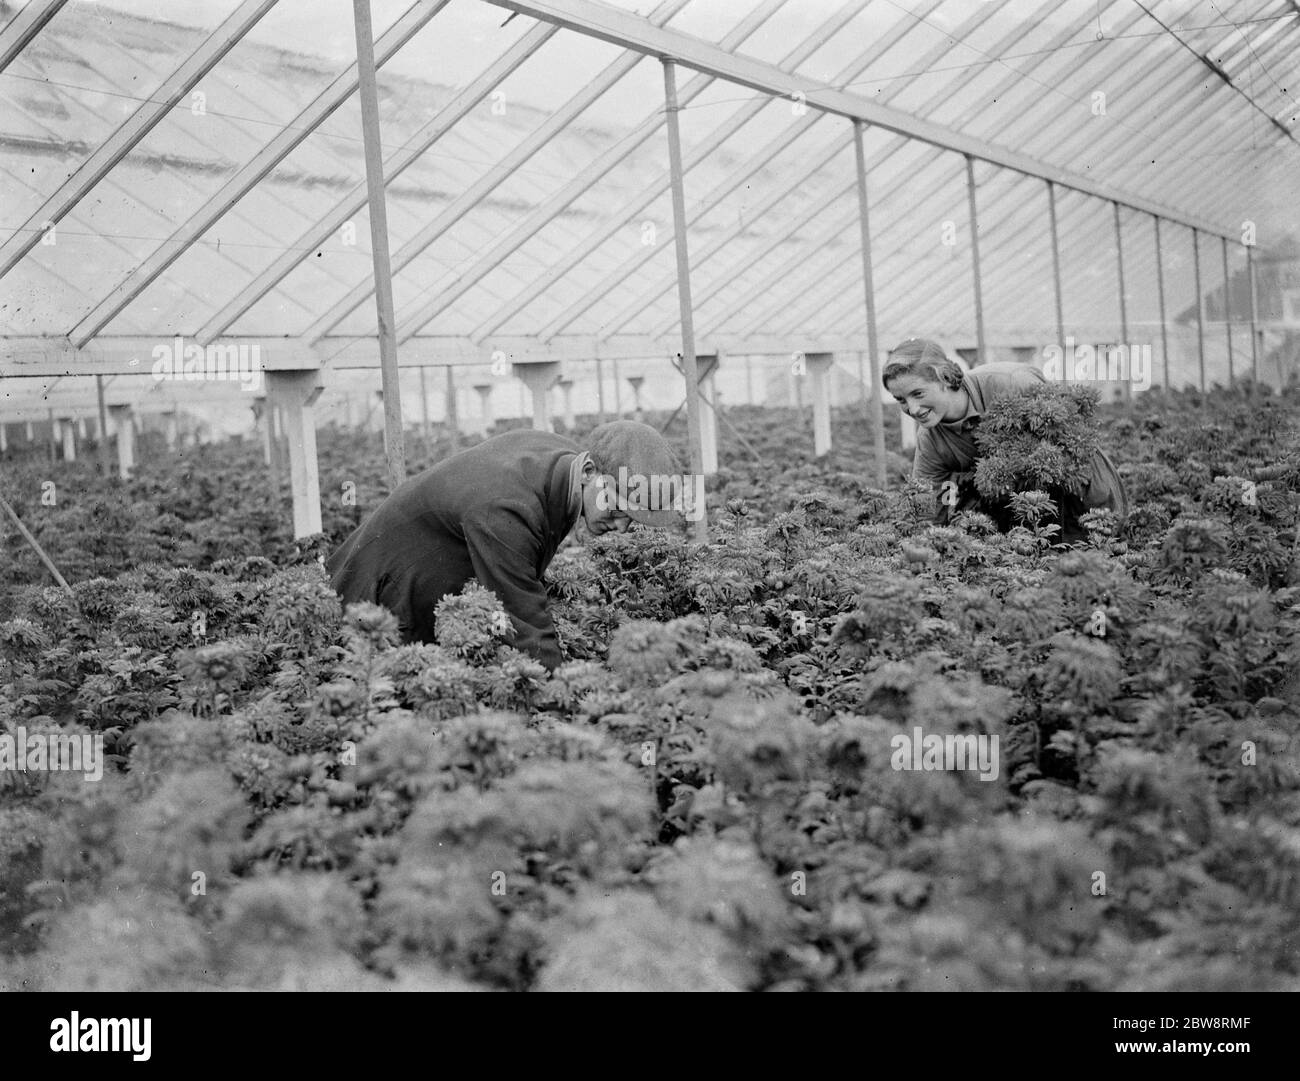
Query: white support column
102,417
4,437
453,408
67,427
102,426
426,429
708,413
295,394
819,367
636,381
279,456
262,423
31,435
125,425
566,398
487,418
539,377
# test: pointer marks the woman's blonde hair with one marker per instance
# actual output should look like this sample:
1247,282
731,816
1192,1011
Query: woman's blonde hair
925,359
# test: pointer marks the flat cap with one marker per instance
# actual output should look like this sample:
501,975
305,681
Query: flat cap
644,470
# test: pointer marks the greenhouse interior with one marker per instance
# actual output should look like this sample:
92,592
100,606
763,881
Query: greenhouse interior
190,181
331,332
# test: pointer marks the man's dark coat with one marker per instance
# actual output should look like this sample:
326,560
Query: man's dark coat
496,512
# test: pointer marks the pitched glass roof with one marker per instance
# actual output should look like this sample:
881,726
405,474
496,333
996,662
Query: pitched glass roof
528,169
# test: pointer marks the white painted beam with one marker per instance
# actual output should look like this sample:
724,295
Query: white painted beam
37,359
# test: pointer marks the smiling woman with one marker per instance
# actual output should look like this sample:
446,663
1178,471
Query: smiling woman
926,383
948,403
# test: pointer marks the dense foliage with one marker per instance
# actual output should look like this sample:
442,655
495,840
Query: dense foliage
704,795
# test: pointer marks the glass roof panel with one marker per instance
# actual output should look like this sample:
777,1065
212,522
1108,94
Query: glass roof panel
1022,84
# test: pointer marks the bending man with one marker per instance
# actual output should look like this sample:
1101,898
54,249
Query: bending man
498,512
